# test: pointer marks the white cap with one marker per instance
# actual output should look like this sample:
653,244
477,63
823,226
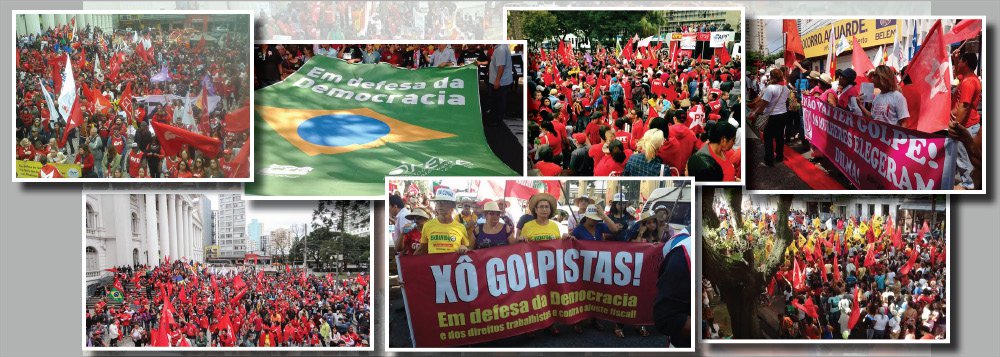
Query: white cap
592,213
619,197
444,194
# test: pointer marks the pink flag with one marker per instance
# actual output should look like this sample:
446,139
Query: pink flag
964,30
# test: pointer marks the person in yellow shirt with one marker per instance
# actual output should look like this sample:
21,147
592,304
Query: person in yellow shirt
542,206
443,234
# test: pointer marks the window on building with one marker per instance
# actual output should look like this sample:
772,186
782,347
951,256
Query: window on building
135,223
871,210
93,263
91,217
859,212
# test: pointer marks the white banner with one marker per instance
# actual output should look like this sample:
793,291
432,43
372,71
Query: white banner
689,41
719,39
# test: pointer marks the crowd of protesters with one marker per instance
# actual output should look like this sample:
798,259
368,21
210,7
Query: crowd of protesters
649,113
184,304
419,219
322,20
846,278
775,92
125,81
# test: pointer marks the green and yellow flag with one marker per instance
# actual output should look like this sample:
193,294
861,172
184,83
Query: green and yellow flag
116,295
338,129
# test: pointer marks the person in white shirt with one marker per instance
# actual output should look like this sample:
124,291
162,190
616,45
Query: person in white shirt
881,320
113,333
443,57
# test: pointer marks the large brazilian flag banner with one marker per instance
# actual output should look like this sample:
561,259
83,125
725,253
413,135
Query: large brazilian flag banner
338,129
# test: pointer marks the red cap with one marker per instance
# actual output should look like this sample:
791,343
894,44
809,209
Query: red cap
580,137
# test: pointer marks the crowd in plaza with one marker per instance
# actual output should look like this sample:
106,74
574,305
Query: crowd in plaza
184,304
152,103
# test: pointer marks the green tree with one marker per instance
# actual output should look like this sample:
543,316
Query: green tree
740,278
336,218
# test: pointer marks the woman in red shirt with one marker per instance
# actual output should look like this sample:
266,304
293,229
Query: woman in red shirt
25,151
614,162
182,170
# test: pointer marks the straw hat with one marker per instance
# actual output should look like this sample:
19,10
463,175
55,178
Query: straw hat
491,207
646,215
825,78
418,212
588,199
814,75
542,196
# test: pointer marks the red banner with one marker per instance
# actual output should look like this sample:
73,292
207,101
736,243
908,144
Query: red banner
173,138
704,36
506,291
873,154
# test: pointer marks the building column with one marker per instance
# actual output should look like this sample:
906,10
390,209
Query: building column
32,23
161,210
172,225
123,230
48,22
152,243
61,20
181,226
185,228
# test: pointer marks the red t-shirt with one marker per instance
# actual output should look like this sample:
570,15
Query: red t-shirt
970,91
593,131
548,168
728,171
134,163
552,140
672,154
609,165
118,142
625,138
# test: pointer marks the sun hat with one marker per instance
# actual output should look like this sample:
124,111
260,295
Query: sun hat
491,206
539,197
418,212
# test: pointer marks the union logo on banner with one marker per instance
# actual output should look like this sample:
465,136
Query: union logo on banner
880,23
323,131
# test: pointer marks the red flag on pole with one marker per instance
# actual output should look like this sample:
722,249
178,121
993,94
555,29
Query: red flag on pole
870,255
855,309
75,119
126,102
723,55
173,138
930,75
809,307
860,61
964,30
909,262
241,163
238,120
793,42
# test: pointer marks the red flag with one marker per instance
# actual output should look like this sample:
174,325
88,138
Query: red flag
723,55
183,294
75,119
770,287
930,73
909,262
798,278
126,102
238,282
238,296
822,265
118,285
836,266
855,309
238,120
172,139
923,231
113,270
793,43
870,255
809,308
897,238
964,30
215,290
860,61
241,163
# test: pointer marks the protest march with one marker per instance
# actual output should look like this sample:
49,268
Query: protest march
497,263
900,110
382,110
656,104
181,303
839,275
131,98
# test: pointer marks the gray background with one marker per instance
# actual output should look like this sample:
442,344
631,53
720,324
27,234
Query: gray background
40,253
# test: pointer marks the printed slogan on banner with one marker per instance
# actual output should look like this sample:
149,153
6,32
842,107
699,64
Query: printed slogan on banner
873,154
501,292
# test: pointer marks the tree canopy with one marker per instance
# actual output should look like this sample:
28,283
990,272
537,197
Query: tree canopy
600,26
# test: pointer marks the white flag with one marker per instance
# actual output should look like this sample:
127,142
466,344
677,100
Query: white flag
53,114
98,73
843,45
878,57
645,42
67,94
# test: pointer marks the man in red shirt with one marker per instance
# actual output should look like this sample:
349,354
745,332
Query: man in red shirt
135,161
969,96
545,166
48,170
622,135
